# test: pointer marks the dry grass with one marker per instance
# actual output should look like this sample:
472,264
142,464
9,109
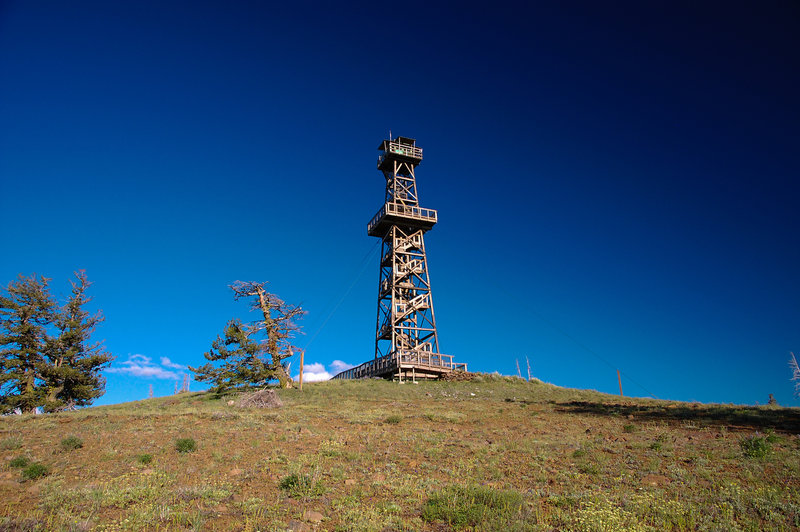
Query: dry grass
498,454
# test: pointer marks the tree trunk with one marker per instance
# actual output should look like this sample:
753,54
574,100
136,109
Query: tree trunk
30,382
53,392
284,380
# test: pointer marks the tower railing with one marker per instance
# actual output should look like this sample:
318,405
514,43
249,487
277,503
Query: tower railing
400,149
406,211
391,362
425,358
377,366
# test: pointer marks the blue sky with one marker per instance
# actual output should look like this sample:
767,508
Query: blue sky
616,186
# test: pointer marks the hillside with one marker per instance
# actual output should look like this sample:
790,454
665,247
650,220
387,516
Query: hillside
493,454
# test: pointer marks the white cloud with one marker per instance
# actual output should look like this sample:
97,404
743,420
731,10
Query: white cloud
337,366
142,366
316,371
167,363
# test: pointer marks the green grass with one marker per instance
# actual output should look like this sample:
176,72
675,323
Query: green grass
458,462
393,419
144,459
301,486
185,445
472,506
71,443
35,471
19,462
756,446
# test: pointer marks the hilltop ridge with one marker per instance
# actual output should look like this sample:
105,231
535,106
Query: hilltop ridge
491,453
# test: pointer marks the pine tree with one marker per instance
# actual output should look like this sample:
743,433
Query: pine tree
26,310
46,359
73,376
246,360
243,360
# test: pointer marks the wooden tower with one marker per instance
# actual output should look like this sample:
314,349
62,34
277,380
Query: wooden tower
406,341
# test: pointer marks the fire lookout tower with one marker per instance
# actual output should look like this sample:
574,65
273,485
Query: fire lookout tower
406,341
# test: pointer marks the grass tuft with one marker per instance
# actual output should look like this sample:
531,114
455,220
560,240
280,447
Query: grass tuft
755,446
144,459
35,470
474,506
71,443
19,462
393,419
11,443
301,486
773,438
185,445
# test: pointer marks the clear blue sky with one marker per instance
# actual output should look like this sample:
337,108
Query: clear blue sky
617,186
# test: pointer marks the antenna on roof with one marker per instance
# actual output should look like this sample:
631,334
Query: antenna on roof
390,134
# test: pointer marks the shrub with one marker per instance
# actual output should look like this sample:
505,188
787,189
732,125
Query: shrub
144,459
394,419
185,445
19,461
755,446
34,471
480,507
71,443
299,486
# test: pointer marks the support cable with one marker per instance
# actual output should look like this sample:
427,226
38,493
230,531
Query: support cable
362,268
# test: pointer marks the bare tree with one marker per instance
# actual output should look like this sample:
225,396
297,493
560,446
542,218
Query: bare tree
277,323
795,373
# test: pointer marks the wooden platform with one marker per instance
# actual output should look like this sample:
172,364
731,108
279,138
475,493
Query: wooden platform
403,215
406,365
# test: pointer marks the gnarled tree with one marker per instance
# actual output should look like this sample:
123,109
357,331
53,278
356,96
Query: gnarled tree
245,358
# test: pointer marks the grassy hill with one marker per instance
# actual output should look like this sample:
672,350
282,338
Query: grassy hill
491,454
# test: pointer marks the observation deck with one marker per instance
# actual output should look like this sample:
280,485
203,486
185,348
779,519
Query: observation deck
403,215
404,364
401,149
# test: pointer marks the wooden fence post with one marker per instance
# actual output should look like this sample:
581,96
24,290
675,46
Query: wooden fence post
302,356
